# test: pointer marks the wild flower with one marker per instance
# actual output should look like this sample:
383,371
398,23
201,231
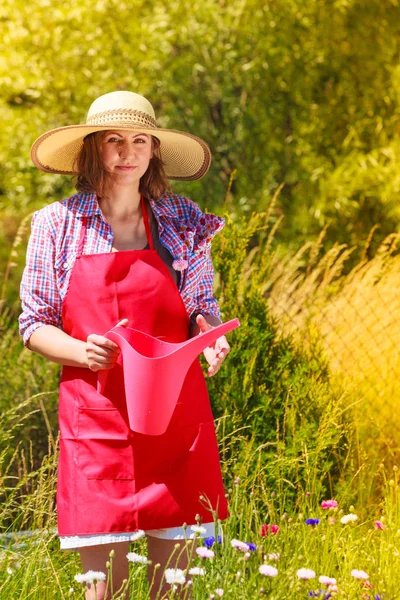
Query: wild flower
210,541
197,571
305,574
312,522
379,525
359,574
268,570
219,592
320,594
204,552
329,504
274,556
174,576
350,518
137,558
90,577
239,545
267,529
327,580
198,529
137,535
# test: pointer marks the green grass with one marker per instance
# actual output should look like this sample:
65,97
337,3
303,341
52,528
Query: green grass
33,566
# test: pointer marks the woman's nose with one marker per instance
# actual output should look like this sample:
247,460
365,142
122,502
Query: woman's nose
126,150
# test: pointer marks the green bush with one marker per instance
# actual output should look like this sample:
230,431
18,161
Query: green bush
270,392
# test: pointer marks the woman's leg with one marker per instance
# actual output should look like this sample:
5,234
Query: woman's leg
169,554
94,558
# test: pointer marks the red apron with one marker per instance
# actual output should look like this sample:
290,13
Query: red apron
111,479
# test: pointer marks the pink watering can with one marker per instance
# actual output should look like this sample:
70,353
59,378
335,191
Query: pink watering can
154,372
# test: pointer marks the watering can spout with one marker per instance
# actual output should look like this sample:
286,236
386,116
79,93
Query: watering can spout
154,372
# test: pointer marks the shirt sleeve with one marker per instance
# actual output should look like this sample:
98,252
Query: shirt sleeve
40,298
205,302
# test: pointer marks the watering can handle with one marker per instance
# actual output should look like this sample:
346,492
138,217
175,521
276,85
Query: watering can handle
198,343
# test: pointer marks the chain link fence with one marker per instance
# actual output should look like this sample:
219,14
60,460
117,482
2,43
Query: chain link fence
355,319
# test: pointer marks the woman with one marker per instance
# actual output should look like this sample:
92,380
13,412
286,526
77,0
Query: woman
126,251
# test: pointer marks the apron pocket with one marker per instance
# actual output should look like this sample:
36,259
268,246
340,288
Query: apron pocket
104,445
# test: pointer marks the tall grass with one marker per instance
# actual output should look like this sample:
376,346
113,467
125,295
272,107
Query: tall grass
32,566
355,317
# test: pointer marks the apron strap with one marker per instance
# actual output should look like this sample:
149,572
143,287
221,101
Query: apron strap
146,223
82,237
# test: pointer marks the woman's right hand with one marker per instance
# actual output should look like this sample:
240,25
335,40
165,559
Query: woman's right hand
102,353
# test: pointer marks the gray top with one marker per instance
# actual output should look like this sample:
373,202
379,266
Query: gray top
164,254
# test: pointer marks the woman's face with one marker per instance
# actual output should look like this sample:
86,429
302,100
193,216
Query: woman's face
126,155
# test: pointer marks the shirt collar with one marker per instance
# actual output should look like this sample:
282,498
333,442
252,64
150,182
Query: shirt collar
88,205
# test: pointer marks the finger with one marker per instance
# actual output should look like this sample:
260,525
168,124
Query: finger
223,352
97,366
222,345
99,352
213,370
202,324
216,362
102,342
122,323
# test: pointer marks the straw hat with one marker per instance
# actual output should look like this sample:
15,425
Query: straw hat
186,157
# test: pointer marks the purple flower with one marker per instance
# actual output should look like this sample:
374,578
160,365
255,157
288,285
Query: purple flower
320,594
251,546
312,522
210,541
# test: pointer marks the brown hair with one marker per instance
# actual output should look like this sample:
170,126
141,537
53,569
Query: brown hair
93,177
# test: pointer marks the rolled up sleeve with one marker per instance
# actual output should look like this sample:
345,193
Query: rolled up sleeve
40,299
204,301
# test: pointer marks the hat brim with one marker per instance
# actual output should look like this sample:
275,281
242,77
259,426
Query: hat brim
185,156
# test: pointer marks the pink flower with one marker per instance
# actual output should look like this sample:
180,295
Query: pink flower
359,574
268,571
268,529
327,504
204,552
179,264
327,580
379,525
305,574
240,545
219,592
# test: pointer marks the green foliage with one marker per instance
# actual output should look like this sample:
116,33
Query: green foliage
281,394
301,93
28,397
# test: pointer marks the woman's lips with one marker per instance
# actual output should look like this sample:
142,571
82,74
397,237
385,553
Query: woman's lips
126,168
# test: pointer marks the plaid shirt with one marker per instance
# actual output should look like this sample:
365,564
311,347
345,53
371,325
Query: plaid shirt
53,245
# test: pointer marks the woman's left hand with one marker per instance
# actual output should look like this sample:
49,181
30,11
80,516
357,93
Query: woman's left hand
217,352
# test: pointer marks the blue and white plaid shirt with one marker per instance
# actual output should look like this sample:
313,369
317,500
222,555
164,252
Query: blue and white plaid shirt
53,245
